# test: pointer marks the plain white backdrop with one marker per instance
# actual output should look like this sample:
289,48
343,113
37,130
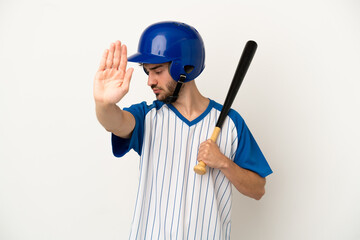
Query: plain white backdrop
58,177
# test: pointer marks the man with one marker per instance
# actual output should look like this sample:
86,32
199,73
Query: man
170,135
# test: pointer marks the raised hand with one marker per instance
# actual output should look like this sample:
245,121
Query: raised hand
112,79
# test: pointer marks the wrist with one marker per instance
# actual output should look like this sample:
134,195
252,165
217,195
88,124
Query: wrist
103,104
106,108
226,163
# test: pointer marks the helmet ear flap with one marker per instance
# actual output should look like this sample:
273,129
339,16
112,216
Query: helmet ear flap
176,69
188,68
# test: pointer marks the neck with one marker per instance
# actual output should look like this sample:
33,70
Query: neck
190,102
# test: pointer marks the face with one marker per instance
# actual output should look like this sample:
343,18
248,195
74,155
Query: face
160,80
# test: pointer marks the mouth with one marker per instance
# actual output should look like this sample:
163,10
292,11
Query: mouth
156,90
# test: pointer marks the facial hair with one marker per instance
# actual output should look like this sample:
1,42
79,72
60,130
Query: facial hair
170,88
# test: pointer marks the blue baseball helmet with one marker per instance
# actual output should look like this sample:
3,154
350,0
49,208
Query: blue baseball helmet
174,42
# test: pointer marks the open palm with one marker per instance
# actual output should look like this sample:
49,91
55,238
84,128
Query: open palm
112,79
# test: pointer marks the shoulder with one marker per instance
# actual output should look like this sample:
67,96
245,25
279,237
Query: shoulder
232,114
144,107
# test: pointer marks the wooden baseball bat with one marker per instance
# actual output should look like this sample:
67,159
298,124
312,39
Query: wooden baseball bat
244,63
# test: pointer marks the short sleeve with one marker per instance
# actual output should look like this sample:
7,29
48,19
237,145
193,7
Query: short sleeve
248,154
121,146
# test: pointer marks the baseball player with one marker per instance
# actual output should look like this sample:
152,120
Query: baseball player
170,135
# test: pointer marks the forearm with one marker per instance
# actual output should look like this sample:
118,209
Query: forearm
245,181
115,120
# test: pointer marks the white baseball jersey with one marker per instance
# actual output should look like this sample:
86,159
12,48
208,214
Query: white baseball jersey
173,202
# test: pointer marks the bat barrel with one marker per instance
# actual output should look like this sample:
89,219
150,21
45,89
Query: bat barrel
243,66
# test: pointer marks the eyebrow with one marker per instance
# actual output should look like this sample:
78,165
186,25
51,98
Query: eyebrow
156,67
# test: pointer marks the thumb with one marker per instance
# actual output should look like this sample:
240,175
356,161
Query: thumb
127,77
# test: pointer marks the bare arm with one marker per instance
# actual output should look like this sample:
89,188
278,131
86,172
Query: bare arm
113,119
111,84
245,181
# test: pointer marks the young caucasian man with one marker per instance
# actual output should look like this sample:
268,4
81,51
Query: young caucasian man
171,135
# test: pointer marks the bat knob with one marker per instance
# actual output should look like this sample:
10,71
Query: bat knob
200,168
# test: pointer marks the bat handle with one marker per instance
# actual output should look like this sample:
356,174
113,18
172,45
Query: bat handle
200,168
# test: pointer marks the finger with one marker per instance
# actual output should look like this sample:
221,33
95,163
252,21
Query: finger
103,61
123,61
109,60
117,53
201,157
200,153
209,143
204,145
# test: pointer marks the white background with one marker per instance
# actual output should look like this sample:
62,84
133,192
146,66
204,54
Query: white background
58,178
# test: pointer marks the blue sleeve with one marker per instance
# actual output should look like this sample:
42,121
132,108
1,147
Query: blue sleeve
121,146
248,154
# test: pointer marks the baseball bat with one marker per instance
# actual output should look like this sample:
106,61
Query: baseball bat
243,65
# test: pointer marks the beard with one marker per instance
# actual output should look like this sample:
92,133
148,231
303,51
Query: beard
170,88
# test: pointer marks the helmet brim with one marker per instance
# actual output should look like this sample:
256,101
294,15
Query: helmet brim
148,58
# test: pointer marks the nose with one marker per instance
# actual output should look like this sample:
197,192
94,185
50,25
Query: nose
151,79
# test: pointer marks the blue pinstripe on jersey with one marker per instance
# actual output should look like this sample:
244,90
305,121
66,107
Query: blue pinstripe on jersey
152,185
168,195
193,189
157,172
177,178
208,180
143,199
182,188
200,191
